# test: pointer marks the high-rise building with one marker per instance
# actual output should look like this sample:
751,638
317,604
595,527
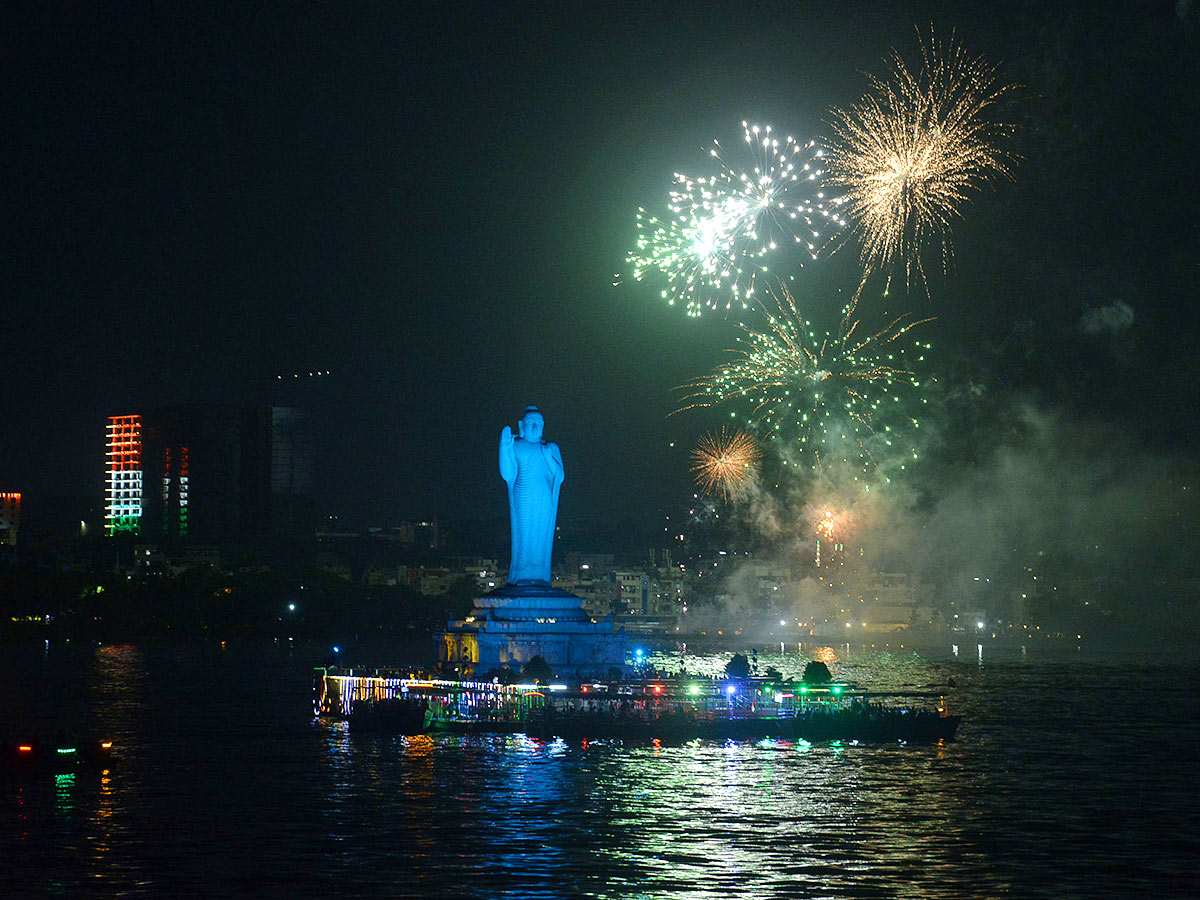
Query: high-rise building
174,488
123,496
193,458
291,504
277,454
235,478
10,518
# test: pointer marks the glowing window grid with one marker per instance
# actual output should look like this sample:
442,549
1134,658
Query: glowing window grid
123,506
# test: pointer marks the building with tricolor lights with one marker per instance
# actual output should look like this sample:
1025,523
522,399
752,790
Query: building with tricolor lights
10,518
235,478
123,493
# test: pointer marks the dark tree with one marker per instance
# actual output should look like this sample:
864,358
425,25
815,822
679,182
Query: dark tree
538,669
738,667
816,672
504,675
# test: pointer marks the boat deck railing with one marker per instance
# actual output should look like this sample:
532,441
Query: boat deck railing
336,691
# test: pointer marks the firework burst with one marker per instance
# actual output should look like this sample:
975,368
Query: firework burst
829,527
831,394
909,152
724,463
713,244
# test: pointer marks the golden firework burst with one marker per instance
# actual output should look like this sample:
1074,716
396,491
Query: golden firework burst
724,463
910,151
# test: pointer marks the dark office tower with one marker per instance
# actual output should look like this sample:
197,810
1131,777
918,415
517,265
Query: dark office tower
278,480
292,505
192,460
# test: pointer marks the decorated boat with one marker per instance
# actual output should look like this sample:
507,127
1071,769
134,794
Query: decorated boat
678,708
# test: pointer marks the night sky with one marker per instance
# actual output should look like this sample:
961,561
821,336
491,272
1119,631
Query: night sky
431,202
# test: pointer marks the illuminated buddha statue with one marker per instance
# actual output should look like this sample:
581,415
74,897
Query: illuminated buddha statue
533,469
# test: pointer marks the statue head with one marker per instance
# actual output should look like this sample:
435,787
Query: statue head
531,424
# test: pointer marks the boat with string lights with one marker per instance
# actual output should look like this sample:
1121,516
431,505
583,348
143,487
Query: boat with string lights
668,709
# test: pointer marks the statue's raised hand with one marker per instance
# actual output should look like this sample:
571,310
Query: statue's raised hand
506,437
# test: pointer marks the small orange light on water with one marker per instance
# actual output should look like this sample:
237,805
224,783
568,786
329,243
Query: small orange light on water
106,745
25,748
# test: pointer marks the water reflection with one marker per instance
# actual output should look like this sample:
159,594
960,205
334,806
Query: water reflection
748,817
760,818
1067,779
64,792
116,687
103,820
488,805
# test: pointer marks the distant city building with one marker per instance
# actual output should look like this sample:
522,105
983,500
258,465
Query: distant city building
123,493
424,534
10,518
182,445
589,565
896,589
634,591
771,583
600,595
211,475
284,500
668,592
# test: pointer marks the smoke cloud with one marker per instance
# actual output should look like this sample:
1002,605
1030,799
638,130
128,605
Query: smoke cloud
1111,319
1072,513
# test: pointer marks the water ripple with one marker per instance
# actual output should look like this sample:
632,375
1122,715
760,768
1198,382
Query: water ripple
1069,780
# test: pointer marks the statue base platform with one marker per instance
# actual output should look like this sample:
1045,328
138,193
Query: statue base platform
530,602
513,624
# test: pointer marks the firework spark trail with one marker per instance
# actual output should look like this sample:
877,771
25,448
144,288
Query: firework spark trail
711,247
910,151
828,528
724,463
825,525
825,392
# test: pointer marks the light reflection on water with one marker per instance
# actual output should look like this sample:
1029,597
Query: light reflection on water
897,669
1068,780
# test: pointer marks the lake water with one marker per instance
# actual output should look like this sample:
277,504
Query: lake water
1070,778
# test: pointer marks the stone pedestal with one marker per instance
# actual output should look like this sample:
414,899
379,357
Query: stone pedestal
513,624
